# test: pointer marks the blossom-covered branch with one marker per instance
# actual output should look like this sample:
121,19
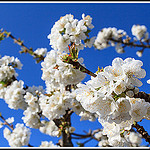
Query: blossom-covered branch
111,95
119,39
132,138
19,136
77,65
129,43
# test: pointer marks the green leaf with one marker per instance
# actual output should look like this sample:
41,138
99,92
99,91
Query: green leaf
3,83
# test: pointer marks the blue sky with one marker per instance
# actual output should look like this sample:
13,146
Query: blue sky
32,23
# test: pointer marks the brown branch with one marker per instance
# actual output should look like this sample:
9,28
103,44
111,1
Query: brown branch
142,131
89,134
66,137
139,128
81,136
131,44
57,122
25,49
6,123
66,140
77,65
39,58
143,95
30,145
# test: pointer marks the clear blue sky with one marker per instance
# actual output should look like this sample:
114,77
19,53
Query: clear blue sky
32,23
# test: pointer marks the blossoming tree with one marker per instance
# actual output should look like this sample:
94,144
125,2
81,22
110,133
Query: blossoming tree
111,95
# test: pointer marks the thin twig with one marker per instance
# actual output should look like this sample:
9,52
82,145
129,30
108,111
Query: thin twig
6,123
87,140
87,135
131,44
25,49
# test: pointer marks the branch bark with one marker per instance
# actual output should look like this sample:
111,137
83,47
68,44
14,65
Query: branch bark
142,131
143,95
66,137
66,140
77,65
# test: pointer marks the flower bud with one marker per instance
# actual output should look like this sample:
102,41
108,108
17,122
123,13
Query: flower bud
130,93
136,90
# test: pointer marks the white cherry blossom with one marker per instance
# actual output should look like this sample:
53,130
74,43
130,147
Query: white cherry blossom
20,136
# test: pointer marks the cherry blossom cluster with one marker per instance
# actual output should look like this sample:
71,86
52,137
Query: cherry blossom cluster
48,144
108,97
103,39
34,101
119,39
140,32
11,90
68,30
7,68
19,137
41,51
111,96
130,139
56,73
32,114
16,95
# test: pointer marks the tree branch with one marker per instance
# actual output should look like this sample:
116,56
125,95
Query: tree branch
25,49
89,134
131,44
142,131
143,95
77,65
66,137
6,123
